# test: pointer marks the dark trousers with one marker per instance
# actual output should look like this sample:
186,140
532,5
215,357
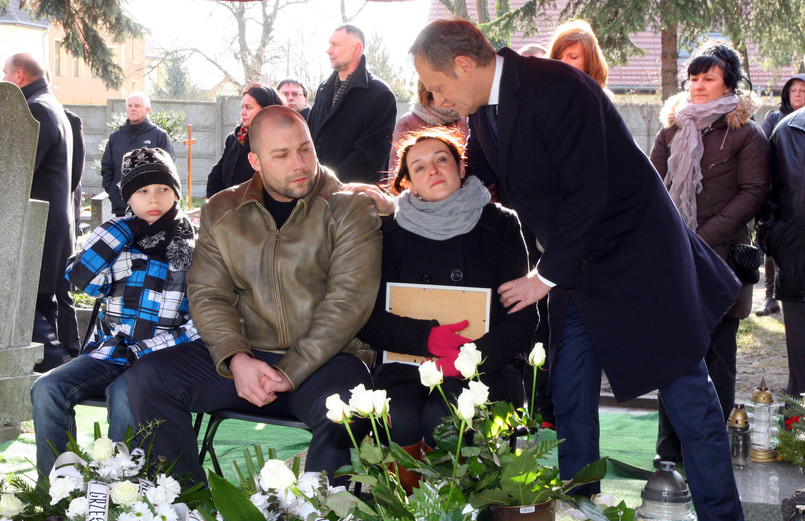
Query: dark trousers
415,411
67,320
769,278
721,366
172,383
46,332
692,406
794,320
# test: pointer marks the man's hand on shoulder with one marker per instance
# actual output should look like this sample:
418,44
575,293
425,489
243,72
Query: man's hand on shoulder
256,381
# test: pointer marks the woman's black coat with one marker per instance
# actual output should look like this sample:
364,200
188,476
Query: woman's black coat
490,254
233,168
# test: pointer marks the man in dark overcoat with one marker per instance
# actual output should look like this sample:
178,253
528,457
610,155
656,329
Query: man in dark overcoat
51,183
632,289
354,113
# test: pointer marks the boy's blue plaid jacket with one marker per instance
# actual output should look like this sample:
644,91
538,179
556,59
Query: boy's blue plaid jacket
146,297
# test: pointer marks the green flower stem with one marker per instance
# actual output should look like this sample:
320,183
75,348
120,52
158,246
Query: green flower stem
531,404
396,464
446,401
377,439
458,449
351,436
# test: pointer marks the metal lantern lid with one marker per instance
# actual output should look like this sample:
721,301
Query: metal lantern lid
666,486
738,417
762,393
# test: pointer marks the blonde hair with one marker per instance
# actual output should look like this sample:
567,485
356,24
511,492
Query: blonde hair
575,31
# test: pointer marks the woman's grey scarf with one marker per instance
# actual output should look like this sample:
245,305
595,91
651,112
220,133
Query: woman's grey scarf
455,215
434,115
684,179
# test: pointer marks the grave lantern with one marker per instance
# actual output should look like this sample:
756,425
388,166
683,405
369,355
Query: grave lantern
666,497
738,428
764,421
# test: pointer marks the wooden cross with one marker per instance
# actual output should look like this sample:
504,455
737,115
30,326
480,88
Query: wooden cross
189,142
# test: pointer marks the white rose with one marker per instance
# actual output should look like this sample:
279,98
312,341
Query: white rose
466,405
60,488
125,493
430,375
361,401
10,505
77,508
480,393
380,403
337,410
275,475
467,361
102,448
537,355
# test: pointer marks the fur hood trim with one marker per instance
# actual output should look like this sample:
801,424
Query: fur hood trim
747,106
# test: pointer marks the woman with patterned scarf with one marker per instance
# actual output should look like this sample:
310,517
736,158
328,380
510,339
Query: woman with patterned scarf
715,163
445,231
233,167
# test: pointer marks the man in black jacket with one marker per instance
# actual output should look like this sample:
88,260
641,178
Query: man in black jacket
781,233
137,132
354,113
51,183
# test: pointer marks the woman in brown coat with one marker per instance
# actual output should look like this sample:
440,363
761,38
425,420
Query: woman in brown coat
715,163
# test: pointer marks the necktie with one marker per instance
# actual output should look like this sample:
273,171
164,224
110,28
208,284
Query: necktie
491,112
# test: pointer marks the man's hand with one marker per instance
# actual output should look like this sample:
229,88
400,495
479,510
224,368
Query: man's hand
256,381
383,201
522,292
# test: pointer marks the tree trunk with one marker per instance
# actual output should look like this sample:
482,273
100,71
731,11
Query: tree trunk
669,55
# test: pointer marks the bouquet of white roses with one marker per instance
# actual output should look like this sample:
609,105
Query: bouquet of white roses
277,492
107,481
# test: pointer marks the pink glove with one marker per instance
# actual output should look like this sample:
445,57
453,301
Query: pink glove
443,340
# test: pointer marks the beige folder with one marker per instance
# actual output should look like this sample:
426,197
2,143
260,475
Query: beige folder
447,304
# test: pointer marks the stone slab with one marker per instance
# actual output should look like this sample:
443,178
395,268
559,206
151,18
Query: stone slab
101,208
9,432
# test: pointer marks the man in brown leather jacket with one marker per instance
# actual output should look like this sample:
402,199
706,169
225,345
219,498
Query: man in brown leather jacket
285,272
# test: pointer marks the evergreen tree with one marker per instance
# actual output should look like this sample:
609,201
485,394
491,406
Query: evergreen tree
85,24
379,63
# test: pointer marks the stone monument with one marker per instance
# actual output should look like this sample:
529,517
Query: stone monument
22,221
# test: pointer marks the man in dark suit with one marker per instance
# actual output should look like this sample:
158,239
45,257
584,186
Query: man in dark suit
354,113
632,289
51,183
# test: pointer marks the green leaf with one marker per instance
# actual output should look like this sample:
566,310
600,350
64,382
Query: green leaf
402,457
590,474
232,504
490,497
97,430
370,453
342,503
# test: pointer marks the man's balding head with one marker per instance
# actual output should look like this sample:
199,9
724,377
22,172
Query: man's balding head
282,153
22,69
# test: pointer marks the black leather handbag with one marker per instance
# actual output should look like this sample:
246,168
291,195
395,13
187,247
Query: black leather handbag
745,260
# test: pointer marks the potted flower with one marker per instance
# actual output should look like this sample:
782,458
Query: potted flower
475,465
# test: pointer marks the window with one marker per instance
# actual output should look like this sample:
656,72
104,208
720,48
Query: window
133,50
57,59
76,67
134,86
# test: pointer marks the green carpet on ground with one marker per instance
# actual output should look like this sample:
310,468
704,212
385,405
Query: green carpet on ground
628,438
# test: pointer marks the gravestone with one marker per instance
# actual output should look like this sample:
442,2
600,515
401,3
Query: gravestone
101,210
23,222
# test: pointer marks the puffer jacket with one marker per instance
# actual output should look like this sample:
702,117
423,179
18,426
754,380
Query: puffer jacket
302,291
781,229
735,176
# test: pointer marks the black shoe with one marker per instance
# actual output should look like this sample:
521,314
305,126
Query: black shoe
674,459
770,306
